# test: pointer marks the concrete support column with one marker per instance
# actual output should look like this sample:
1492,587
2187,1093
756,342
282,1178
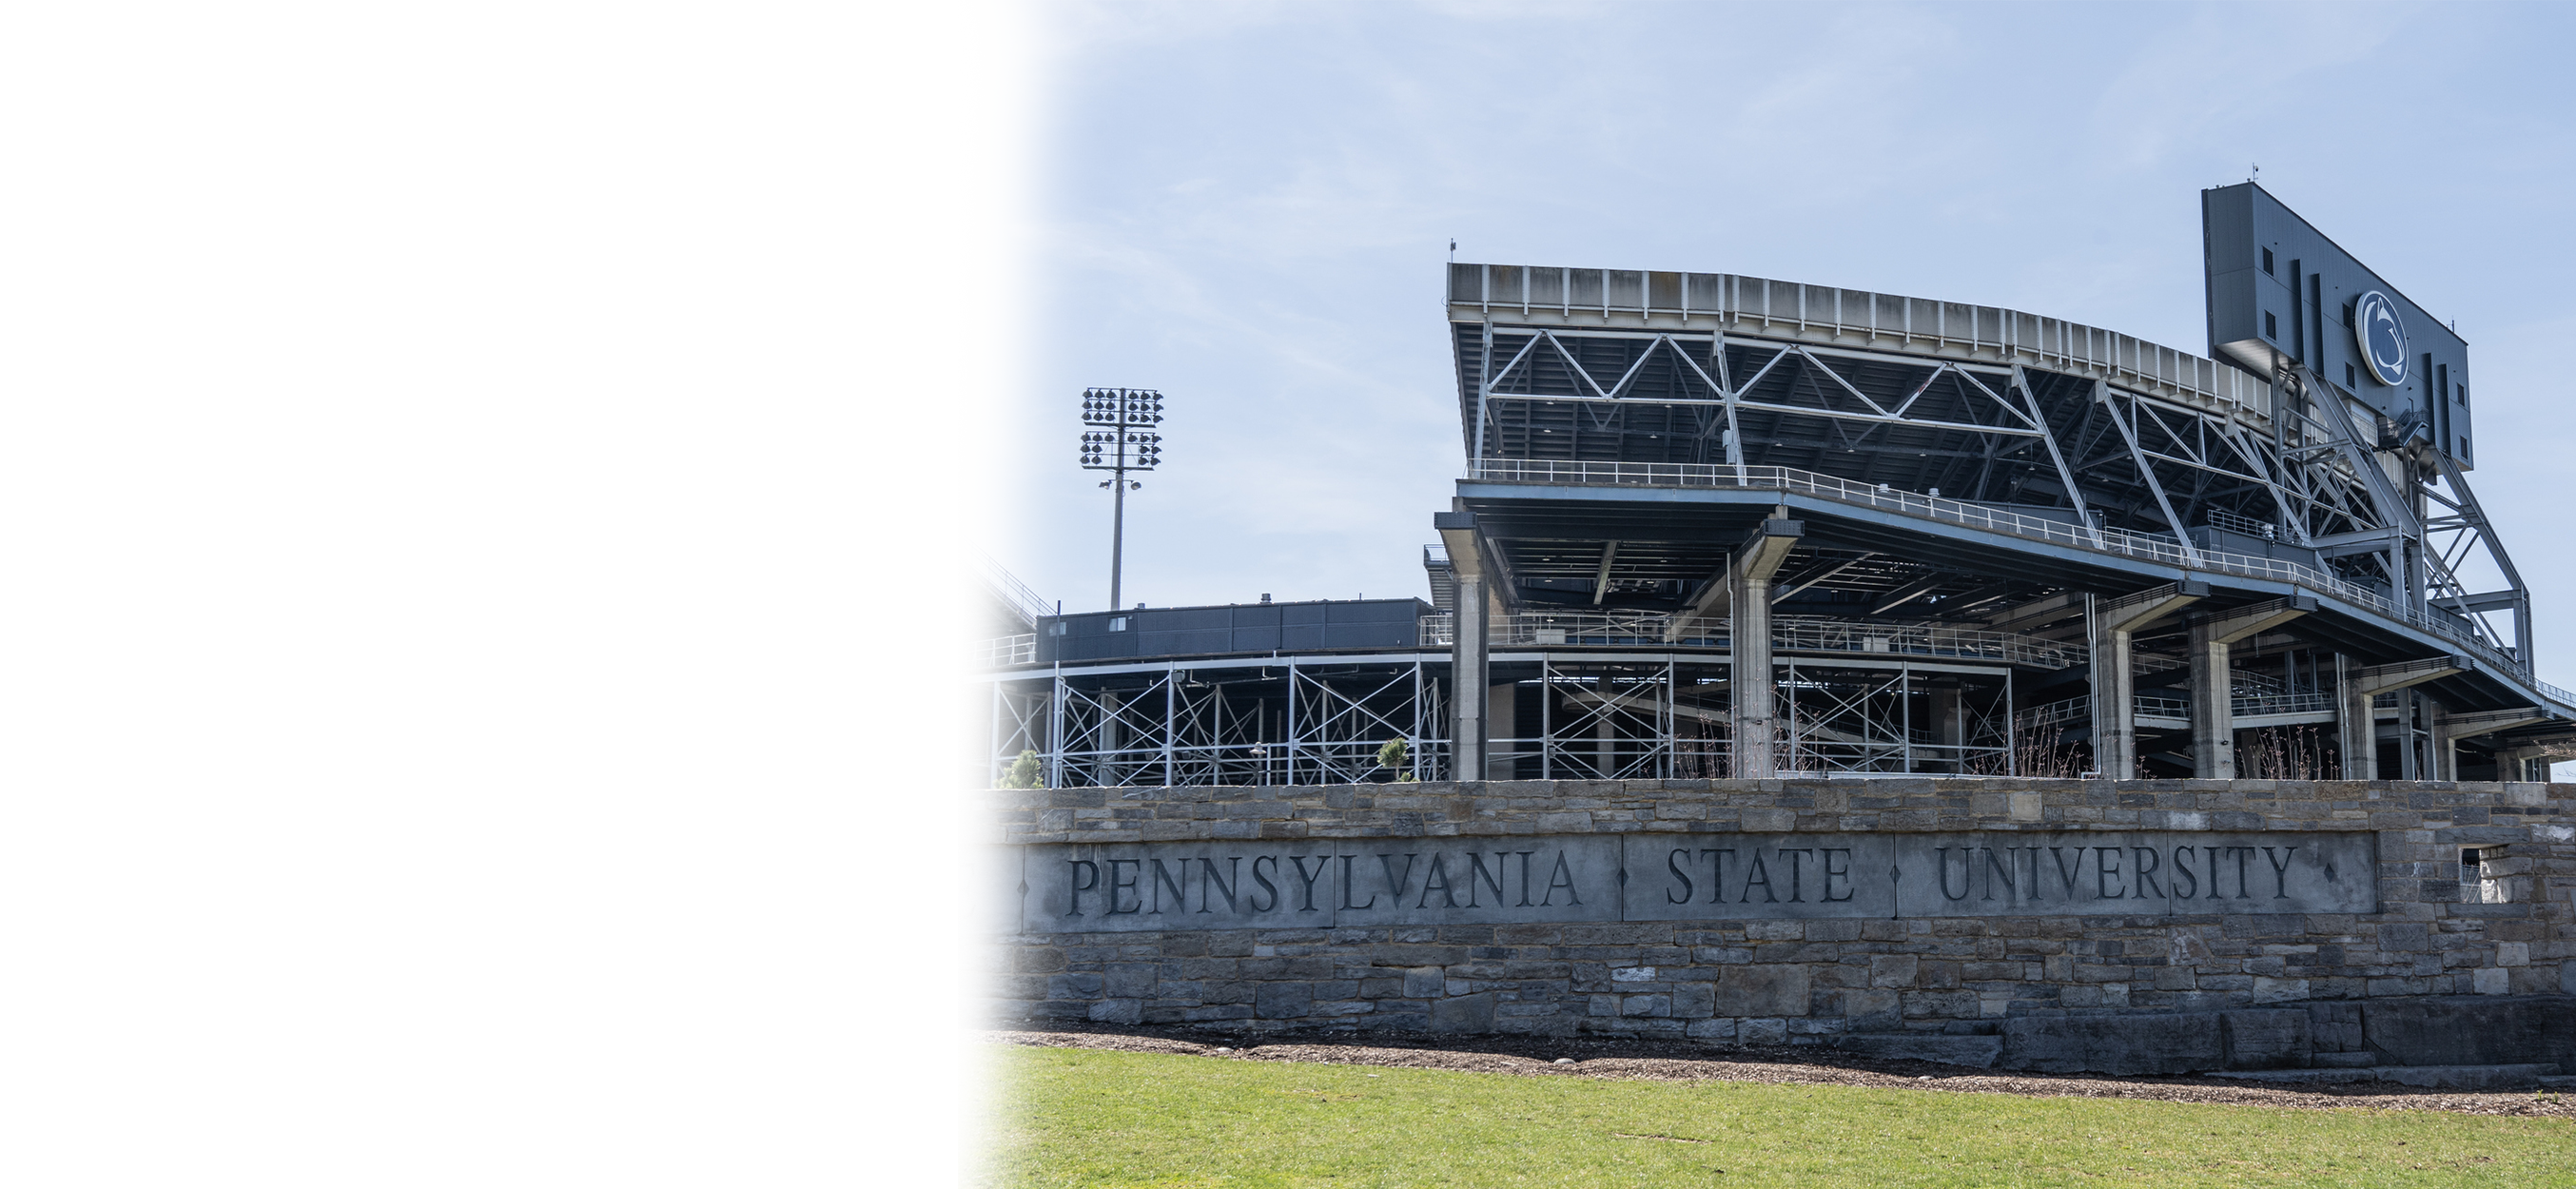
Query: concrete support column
1605,729
2213,694
2109,627
2446,751
1477,601
1950,725
1749,678
1468,679
1502,714
1748,598
2356,733
2115,729
2408,766
2213,706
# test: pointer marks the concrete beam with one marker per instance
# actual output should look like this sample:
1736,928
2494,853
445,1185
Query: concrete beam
2375,540
2449,729
2129,613
2355,733
1471,555
1601,581
2032,614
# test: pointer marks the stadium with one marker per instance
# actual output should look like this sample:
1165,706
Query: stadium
1721,526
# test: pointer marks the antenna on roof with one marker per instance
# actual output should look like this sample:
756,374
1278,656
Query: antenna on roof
2258,172
1453,251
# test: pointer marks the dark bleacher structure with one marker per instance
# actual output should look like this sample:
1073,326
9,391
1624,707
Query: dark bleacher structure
1722,526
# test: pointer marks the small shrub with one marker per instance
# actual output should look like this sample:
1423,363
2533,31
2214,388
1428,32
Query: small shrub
1025,772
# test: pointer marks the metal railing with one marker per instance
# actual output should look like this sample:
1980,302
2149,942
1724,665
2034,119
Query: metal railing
1015,592
1538,629
1842,635
1008,650
2303,702
2080,707
2165,550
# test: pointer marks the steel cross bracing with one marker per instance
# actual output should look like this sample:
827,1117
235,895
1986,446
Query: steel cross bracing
1597,714
2111,458
1239,722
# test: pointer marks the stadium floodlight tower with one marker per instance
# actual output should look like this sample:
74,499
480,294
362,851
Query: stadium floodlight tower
1122,443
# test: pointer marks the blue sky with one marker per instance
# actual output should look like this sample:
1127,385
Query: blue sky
1247,206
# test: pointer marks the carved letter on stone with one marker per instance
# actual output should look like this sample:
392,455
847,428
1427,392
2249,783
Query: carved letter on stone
1264,881
1322,862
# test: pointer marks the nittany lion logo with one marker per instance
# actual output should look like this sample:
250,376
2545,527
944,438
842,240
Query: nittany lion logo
2382,337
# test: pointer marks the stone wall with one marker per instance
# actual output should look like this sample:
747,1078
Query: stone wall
2119,984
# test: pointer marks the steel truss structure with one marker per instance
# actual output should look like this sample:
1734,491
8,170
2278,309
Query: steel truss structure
1582,713
1956,403
1240,721
1723,526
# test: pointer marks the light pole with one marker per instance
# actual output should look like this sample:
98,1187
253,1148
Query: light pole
1120,444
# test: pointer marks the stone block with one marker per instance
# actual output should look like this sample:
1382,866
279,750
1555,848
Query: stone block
1762,990
1942,1005
1646,1005
1463,1014
2123,1044
1075,985
1873,1010
2463,1030
1762,1032
1118,1011
1976,1052
1694,1000
1283,1001
2492,980
2279,990
1425,982
1893,970
1770,820
2278,1039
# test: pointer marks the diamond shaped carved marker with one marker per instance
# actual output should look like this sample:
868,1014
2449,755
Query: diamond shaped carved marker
1623,877
1024,887
2330,873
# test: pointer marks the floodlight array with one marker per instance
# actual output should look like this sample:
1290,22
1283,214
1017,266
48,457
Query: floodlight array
1121,446
1122,407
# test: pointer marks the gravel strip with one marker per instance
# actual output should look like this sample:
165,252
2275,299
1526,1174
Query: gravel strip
1655,1061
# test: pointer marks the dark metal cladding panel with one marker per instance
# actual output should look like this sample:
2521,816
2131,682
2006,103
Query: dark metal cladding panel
1262,639
1184,643
1264,616
1504,283
1369,635
2254,314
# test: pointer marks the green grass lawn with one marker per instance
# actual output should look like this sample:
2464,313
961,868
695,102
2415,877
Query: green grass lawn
1086,1117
